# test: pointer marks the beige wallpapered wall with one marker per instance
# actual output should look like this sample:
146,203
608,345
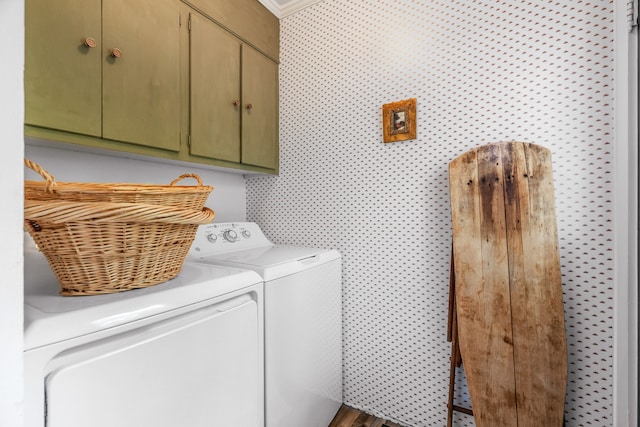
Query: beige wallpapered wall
482,71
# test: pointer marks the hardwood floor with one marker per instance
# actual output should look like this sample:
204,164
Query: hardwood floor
350,417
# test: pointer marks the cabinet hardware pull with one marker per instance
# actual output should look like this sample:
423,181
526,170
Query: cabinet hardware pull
236,102
116,53
249,106
90,42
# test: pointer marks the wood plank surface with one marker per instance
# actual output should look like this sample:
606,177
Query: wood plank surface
351,417
536,287
508,290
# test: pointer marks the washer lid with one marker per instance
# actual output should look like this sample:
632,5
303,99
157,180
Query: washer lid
51,318
274,261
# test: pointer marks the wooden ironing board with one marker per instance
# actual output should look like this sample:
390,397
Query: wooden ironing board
508,293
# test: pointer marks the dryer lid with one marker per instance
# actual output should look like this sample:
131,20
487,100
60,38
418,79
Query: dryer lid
274,261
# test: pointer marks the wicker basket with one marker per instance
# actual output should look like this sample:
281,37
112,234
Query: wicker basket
106,238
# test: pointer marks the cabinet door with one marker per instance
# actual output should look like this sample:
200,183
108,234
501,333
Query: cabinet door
141,88
62,76
260,109
215,91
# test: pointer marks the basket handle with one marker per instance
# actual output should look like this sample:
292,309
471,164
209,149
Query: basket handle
51,181
187,175
58,212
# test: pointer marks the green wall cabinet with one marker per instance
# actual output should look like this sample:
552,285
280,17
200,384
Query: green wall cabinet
63,76
105,69
141,89
233,98
260,109
167,78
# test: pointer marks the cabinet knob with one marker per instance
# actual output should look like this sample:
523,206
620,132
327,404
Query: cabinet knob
116,53
236,102
90,42
249,106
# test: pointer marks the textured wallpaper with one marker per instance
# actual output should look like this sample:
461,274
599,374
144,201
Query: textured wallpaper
482,71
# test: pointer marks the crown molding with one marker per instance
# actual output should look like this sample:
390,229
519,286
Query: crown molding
284,8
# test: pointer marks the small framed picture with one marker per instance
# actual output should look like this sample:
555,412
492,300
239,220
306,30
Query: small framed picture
399,120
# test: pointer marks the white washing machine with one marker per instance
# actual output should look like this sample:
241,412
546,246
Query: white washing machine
188,352
303,319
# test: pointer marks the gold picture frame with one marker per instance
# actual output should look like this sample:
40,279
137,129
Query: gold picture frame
399,120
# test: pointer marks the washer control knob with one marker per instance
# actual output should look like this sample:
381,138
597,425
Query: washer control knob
212,237
230,236
246,234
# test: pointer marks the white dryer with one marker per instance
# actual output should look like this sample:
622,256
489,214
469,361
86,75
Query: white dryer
188,352
303,319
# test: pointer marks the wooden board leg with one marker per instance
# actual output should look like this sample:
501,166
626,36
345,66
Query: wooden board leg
452,376
453,338
456,357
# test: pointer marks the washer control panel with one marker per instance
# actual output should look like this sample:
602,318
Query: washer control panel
216,238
